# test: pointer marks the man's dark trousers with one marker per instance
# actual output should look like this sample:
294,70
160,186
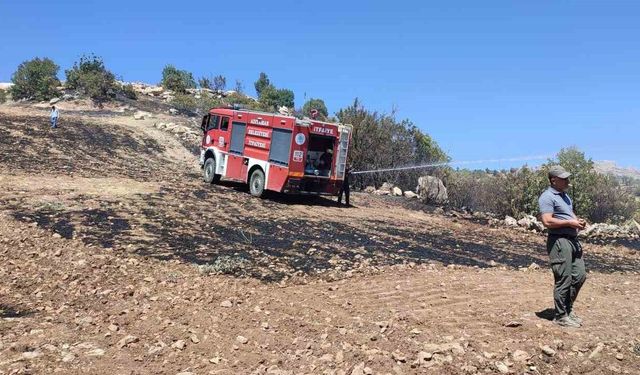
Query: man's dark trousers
344,189
565,256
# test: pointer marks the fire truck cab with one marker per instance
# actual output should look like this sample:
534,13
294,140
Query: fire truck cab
274,152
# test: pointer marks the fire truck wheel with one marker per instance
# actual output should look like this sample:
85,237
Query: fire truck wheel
210,175
256,183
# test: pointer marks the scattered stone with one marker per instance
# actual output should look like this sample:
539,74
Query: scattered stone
95,352
548,351
242,339
31,355
596,351
424,357
520,356
54,100
113,328
410,194
226,303
396,191
194,339
125,341
398,357
619,356
510,221
502,368
358,369
68,357
513,324
180,344
215,360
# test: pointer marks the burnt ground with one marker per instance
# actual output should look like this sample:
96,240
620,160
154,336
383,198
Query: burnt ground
108,232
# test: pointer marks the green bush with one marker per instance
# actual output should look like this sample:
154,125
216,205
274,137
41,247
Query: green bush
177,80
35,79
3,96
242,101
90,77
271,98
129,91
597,197
192,105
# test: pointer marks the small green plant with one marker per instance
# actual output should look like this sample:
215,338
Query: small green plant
90,76
51,207
225,264
3,96
35,80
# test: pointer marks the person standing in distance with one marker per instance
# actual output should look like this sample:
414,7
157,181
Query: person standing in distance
54,117
344,188
565,252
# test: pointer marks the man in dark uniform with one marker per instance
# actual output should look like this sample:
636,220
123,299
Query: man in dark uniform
344,189
565,252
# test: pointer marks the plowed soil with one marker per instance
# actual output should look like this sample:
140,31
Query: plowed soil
115,258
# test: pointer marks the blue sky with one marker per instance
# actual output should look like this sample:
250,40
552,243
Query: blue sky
487,79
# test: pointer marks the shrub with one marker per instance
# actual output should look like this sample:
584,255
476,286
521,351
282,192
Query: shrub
128,91
597,197
195,106
224,264
35,79
3,96
243,101
271,98
177,80
90,77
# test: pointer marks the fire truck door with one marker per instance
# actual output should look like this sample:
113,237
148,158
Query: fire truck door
223,134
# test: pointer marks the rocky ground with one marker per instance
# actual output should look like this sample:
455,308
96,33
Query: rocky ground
117,259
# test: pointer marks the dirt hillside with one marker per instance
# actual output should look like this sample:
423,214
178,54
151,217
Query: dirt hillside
115,258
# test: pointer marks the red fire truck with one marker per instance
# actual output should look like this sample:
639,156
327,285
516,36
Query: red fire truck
274,152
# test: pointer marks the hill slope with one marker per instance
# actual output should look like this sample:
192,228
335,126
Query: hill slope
107,235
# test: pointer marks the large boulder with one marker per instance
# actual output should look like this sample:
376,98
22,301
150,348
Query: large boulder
431,190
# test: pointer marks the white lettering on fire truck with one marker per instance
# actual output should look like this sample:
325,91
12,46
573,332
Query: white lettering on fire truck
318,129
258,133
257,144
255,121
